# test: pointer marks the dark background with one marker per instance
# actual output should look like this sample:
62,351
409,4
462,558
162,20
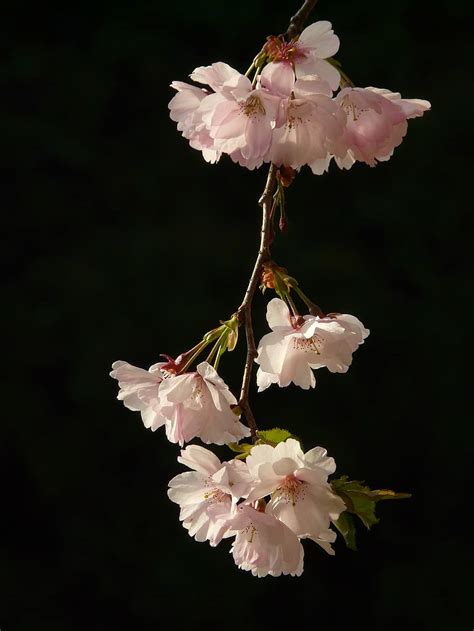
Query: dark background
122,243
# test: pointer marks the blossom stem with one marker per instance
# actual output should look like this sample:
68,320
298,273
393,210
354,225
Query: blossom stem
313,308
292,305
216,346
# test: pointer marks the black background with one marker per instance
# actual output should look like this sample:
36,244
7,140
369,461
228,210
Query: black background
122,243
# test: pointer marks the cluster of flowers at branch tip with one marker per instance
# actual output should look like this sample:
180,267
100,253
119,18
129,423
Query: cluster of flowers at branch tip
290,114
269,503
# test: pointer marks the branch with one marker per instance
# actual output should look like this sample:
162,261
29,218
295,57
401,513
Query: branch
265,201
245,309
298,20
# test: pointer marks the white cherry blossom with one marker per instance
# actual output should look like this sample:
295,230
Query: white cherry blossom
294,348
301,496
307,55
263,544
208,494
198,404
139,390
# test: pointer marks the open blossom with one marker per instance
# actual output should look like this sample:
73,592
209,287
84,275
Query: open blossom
139,388
208,494
376,123
295,347
308,54
264,545
185,110
301,496
198,404
240,119
310,125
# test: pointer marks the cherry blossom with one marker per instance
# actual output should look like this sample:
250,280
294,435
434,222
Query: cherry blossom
198,404
298,345
139,390
241,120
301,496
376,123
263,544
308,54
208,494
185,110
310,125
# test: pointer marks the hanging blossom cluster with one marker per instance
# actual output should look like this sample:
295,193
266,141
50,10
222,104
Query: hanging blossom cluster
290,114
271,495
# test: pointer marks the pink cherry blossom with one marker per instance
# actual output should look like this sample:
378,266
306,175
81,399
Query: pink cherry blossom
292,350
310,125
198,404
208,494
139,390
308,53
241,120
264,545
301,496
221,77
185,109
376,123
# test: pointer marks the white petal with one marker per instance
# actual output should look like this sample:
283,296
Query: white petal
178,388
200,459
324,70
321,37
278,314
317,457
278,78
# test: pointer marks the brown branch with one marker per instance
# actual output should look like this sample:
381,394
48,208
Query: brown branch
245,309
298,20
265,201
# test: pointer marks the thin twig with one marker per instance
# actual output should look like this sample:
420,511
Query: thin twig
245,309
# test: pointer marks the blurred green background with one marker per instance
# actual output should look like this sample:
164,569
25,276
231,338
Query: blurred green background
122,243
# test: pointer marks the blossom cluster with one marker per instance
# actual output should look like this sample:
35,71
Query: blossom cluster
199,404
278,495
290,114
268,503
191,405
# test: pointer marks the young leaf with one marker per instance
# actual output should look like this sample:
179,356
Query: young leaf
274,436
361,500
346,526
243,449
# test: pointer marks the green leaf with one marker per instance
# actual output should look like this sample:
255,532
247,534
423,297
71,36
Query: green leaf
243,449
265,437
346,526
274,436
361,500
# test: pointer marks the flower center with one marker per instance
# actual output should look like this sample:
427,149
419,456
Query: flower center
215,496
279,50
197,395
291,490
351,108
253,106
307,345
249,532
